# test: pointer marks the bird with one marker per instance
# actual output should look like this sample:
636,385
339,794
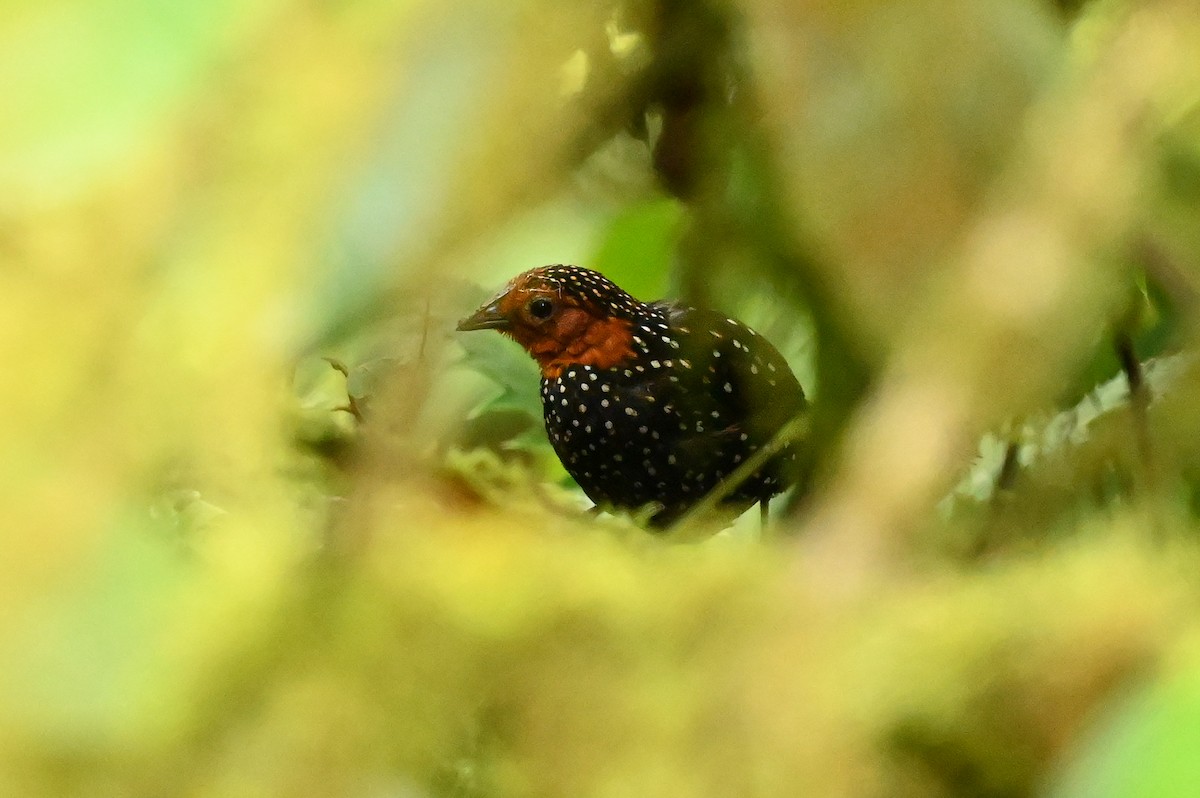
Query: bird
650,405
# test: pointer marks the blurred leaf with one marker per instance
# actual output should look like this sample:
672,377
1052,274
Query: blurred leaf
1145,748
504,362
502,422
639,248
364,378
93,666
91,79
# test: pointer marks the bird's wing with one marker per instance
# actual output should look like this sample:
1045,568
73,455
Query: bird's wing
743,373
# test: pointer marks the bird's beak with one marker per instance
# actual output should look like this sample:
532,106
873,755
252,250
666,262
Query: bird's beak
487,317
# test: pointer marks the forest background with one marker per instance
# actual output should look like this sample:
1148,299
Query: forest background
230,569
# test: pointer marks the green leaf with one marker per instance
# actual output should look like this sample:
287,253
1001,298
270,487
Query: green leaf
503,363
639,247
1148,749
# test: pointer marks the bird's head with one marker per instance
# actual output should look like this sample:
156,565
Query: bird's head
563,316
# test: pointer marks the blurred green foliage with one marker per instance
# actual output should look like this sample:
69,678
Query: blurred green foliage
231,570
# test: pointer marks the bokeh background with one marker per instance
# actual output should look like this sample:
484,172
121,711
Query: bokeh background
230,569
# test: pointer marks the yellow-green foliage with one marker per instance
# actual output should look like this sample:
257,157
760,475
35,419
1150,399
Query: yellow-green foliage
214,581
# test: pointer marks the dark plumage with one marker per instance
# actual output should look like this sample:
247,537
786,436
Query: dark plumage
648,403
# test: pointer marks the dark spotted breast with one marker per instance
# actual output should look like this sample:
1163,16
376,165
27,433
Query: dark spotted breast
700,394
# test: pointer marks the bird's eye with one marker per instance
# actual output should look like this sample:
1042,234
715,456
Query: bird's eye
541,308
